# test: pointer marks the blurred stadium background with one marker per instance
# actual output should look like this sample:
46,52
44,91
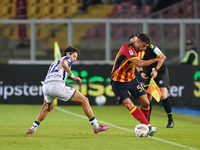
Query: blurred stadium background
98,32
90,36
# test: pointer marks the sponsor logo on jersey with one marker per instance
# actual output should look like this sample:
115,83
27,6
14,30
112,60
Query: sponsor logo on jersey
69,60
53,76
131,53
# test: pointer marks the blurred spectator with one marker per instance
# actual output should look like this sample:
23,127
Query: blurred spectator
22,14
160,4
141,3
85,5
144,7
191,55
111,1
155,3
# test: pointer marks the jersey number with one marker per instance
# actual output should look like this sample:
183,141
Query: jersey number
53,67
140,88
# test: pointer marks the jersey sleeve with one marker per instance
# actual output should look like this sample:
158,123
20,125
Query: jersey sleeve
69,60
155,50
127,52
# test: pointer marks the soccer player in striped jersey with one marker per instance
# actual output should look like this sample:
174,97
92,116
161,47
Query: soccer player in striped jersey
123,79
159,72
54,87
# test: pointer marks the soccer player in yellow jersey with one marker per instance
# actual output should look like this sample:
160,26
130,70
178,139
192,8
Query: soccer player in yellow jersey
123,79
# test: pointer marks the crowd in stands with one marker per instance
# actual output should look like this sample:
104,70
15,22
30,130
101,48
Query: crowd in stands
87,3
122,9
142,9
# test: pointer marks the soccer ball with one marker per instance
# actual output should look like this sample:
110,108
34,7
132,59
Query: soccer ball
141,130
100,100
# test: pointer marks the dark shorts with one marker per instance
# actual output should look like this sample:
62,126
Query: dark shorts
122,89
162,80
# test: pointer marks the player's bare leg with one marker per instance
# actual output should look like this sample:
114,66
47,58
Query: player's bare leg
138,114
135,111
84,102
143,100
46,108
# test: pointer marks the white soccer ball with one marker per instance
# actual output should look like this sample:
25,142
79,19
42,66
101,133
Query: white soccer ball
141,130
100,100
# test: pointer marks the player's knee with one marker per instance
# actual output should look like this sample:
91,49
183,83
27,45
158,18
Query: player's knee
46,109
49,107
128,104
86,100
163,97
145,104
83,100
149,96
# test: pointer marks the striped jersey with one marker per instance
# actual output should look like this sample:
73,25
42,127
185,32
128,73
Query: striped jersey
56,71
123,69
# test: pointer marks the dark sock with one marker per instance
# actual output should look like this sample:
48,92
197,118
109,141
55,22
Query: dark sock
168,109
150,109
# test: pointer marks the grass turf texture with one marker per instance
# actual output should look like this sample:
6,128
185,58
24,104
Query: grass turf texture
65,131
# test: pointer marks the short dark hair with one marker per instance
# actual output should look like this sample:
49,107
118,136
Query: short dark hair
71,49
133,35
144,37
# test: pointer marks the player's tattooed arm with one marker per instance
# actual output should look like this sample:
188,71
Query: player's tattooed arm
68,70
66,67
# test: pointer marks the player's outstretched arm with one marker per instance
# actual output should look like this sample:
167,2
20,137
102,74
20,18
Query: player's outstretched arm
143,63
77,79
65,66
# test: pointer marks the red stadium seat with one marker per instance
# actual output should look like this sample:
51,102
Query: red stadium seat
131,29
116,12
171,31
146,10
117,32
190,31
91,33
154,31
172,13
188,10
126,9
100,28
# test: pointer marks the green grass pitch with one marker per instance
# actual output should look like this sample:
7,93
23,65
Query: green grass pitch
67,128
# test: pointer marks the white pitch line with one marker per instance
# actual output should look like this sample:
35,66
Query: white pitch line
125,129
